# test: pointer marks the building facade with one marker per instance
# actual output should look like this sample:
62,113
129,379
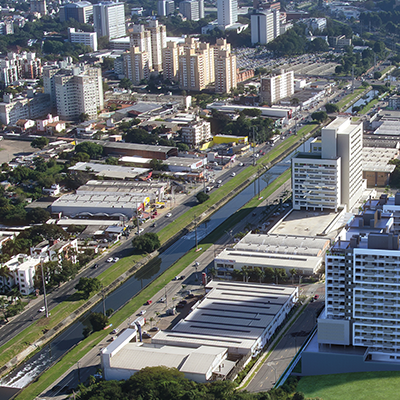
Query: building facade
16,66
158,42
225,67
81,11
196,133
109,19
265,26
136,65
86,38
227,12
277,87
170,57
330,175
165,7
193,10
141,38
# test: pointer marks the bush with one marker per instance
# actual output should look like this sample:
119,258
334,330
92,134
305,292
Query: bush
202,197
146,243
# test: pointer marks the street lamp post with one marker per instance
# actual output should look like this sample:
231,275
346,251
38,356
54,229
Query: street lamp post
44,289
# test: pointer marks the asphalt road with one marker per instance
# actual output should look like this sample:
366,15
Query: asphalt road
288,346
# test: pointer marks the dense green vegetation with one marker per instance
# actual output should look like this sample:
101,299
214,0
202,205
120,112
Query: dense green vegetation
146,243
163,383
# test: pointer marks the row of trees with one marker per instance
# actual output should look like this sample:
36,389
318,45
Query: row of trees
163,383
261,275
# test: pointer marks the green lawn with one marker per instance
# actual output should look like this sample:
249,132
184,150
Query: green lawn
355,386
342,103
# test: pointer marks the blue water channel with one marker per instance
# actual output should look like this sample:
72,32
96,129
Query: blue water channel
32,368
363,100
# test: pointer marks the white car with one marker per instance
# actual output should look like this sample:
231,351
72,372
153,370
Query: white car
110,259
169,215
116,259
142,312
140,231
42,309
233,174
219,182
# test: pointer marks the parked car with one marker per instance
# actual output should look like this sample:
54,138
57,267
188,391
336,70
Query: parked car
148,302
142,312
115,331
146,335
116,259
316,297
163,299
110,259
154,329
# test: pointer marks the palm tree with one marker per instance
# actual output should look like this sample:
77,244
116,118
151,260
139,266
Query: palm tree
5,274
245,273
293,272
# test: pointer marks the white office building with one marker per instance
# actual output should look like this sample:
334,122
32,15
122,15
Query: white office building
86,38
330,175
265,26
109,19
165,7
276,87
193,10
227,11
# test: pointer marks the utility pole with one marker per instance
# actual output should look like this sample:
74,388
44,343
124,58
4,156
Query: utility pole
352,79
195,231
254,145
44,289
104,300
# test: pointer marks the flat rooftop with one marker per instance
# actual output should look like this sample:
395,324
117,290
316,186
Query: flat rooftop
306,223
109,171
377,159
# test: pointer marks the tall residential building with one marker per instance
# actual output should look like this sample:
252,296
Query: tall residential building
170,57
141,38
362,290
77,90
196,65
81,11
109,19
277,87
265,26
227,12
158,42
225,67
193,10
136,65
165,7
19,66
86,38
196,133
7,27
39,6
330,175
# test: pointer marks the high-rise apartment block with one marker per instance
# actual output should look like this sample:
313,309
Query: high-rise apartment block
81,11
196,133
225,67
330,175
136,65
227,12
86,38
193,10
165,7
170,56
19,66
265,26
77,90
141,38
362,289
277,87
158,42
7,27
109,19
38,6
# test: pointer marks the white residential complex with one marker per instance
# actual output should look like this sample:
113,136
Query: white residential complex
362,289
330,175
165,7
76,90
277,87
109,19
158,42
86,38
227,11
265,26
197,133
193,10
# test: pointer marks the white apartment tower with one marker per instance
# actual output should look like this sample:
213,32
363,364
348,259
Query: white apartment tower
265,26
109,19
225,67
362,289
277,87
170,57
141,38
227,12
158,42
78,91
196,133
193,10
330,175
39,6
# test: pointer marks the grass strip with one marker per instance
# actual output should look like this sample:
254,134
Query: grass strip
345,102
355,386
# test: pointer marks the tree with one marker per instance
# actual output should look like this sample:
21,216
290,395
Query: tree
83,117
331,108
40,142
377,74
98,321
158,165
202,197
5,274
4,307
37,215
87,286
319,116
182,147
293,273
94,150
146,243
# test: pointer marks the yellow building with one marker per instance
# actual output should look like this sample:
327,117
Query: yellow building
219,139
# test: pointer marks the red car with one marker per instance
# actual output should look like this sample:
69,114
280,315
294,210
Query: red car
148,302
316,297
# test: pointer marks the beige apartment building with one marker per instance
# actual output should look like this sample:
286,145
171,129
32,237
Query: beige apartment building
158,42
141,38
170,56
136,65
277,87
225,67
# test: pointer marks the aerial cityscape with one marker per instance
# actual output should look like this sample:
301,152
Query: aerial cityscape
200,199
